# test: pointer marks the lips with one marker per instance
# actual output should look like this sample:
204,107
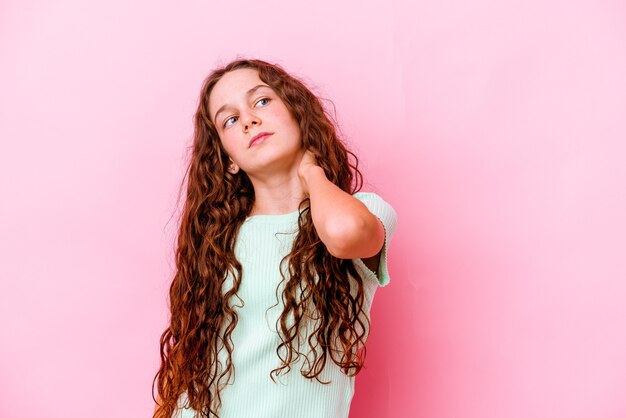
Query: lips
258,137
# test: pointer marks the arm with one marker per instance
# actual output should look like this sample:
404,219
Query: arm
344,224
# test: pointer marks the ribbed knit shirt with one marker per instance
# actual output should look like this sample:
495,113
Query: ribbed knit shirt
262,241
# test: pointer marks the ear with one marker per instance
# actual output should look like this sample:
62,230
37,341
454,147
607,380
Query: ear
233,168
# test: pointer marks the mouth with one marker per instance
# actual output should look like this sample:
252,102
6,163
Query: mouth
259,138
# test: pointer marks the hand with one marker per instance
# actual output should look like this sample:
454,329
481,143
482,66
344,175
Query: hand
307,163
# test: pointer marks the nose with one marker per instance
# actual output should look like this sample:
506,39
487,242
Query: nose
249,120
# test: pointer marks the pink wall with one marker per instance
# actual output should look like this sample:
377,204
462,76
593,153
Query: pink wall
496,129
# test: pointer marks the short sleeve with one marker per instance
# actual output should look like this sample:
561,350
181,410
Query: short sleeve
389,218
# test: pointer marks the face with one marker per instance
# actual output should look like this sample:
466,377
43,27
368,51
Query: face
241,106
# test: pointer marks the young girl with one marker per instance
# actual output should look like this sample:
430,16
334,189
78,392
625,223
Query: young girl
278,259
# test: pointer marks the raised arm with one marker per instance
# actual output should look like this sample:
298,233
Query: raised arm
344,224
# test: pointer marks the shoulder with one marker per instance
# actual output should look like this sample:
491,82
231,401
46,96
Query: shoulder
370,197
379,207
382,209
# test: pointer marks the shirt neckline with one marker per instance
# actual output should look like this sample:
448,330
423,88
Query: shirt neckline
281,217
273,218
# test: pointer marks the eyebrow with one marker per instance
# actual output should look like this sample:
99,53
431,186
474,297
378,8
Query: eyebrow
248,93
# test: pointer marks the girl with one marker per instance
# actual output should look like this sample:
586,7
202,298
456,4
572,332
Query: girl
279,255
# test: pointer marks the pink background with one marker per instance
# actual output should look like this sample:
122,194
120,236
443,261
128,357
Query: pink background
496,129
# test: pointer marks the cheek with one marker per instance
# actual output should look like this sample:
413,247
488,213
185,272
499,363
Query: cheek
228,143
295,127
230,136
288,120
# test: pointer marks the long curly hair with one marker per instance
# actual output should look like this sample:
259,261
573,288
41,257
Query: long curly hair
318,286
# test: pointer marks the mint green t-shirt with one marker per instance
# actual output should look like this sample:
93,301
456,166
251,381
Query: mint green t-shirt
262,242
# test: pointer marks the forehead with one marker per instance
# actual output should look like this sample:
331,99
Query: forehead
232,87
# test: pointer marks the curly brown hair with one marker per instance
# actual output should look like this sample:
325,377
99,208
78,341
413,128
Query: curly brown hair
217,203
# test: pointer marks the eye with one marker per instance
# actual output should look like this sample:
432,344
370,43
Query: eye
264,98
259,101
226,121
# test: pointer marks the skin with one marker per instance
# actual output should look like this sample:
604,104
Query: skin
282,173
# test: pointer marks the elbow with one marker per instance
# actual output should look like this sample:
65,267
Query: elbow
346,238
